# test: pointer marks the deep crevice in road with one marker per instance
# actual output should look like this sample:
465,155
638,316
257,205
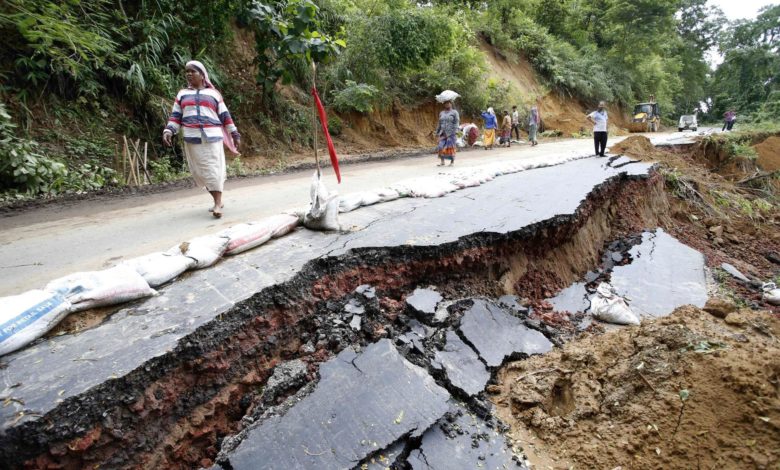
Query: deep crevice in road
181,408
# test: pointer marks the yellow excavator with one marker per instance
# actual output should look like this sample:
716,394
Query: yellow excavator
646,118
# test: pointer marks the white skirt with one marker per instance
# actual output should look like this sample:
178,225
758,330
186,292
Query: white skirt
207,164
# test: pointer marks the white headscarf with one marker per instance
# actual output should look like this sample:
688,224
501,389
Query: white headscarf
490,110
199,65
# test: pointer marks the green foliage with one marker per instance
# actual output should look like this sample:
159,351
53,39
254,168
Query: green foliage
750,71
358,97
22,167
164,169
286,32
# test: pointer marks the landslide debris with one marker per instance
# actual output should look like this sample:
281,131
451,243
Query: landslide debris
686,391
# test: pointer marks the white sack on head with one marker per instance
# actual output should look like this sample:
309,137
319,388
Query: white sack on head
91,289
447,95
159,268
26,317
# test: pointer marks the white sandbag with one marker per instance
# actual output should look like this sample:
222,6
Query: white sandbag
350,202
323,213
460,143
771,293
447,95
402,188
281,224
430,187
159,268
26,317
370,198
607,306
91,289
205,250
388,194
243,237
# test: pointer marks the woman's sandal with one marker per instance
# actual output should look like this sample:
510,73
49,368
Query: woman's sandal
217,213
211,209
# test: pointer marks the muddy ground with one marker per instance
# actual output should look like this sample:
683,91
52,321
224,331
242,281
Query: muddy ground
692,390
687,391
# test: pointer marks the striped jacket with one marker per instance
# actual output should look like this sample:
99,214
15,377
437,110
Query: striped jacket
201,113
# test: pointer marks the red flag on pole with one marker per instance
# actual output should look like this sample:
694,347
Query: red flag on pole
334,159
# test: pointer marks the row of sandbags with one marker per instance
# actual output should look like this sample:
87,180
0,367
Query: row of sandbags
26,317
441,184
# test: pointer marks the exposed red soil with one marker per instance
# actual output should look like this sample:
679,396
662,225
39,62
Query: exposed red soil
686,391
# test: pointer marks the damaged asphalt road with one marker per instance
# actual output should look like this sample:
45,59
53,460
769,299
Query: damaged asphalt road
214,336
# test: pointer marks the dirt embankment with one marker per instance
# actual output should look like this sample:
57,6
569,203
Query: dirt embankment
715,212
686,391
558,112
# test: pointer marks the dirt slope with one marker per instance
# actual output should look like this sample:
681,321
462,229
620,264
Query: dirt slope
686,391
558,111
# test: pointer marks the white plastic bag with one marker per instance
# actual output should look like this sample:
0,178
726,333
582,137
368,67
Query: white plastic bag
159,268
204,250
607,306
771,293
323,214
26,317
91,289
350,202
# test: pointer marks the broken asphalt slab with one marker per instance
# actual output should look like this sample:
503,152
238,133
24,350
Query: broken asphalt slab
363,403
497,335
462,365
463,441
143,336
664,274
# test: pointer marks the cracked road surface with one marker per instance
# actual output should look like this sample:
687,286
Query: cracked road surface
40,245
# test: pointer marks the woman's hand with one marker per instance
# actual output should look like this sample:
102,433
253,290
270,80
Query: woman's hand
237,142
167,139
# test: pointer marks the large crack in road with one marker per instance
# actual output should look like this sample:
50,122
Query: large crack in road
170,377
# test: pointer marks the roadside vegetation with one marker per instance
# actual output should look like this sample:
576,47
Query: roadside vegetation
75,77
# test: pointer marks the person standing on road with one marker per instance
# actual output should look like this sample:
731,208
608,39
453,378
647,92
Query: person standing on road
729,118
506,129
446,131
599,119
515,122
490,128
533,125
206,122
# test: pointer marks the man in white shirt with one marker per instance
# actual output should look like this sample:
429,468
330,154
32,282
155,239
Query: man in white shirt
599,119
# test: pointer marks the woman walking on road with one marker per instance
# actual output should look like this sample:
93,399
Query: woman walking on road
506,129
490,128
200,110
533,125
599,119
446,131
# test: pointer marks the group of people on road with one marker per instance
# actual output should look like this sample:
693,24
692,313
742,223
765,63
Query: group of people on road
449,124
